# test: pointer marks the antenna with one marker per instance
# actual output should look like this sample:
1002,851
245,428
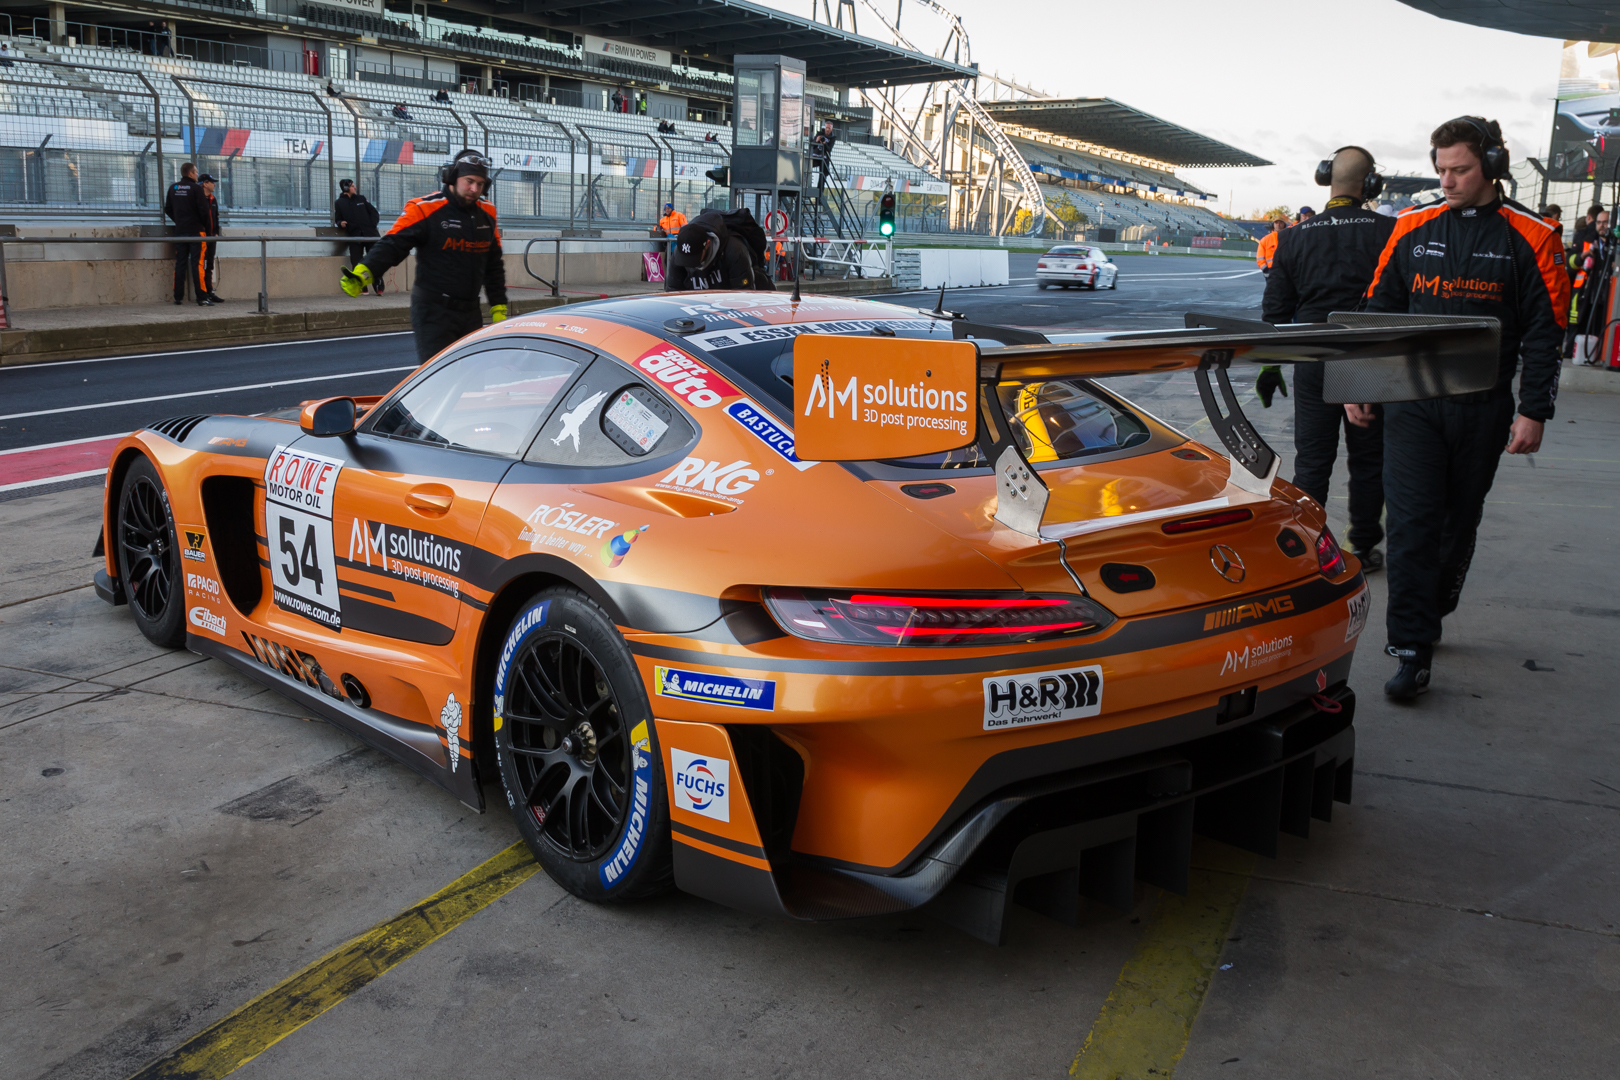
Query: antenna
798,259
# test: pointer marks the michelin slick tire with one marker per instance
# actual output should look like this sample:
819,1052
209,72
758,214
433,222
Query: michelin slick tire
578,751
148,556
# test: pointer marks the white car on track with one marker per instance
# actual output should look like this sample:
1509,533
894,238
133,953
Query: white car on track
1077,264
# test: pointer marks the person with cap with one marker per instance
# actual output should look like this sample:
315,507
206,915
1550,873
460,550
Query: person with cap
355,215
180,205
710,253
207,225
1267,251
1305,214
1324,264
457,241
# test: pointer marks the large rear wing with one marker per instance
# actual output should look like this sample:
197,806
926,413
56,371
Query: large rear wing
860,398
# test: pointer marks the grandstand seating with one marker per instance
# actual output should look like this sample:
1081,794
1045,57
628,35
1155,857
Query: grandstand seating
321,15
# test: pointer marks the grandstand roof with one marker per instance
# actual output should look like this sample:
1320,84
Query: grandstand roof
1106,122
727,27
1410,185
1538,18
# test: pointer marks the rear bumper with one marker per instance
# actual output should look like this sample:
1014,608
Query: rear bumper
1068,277
1089,832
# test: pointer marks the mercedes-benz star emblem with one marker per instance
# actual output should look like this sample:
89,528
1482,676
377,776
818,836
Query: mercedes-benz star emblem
1226,563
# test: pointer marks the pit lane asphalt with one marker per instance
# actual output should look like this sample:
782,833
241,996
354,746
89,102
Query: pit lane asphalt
56,402
177,840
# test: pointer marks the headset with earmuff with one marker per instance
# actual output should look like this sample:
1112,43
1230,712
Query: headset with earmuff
1372,185
1494,158
466,163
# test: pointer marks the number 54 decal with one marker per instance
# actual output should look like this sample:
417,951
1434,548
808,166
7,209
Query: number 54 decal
298,493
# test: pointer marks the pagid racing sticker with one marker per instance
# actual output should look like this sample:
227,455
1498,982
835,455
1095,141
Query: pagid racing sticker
702,784
299,490
635,829
1042,697
715,689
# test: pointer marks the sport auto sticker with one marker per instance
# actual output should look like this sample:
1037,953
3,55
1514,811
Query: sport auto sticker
702,784
684,377
1042,697
298,497
759,424
635,830
715,689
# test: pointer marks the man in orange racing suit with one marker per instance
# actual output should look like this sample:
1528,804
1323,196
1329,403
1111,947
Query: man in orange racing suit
458,254
1474,254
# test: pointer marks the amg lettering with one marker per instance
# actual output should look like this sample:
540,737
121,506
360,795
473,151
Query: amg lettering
1259,610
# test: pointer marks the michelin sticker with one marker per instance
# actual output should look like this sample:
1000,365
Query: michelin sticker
635,830
450,720
715,689
702,784
763,427
1042,697
1358,606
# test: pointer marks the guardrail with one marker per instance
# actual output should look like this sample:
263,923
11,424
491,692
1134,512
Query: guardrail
264,243
555,284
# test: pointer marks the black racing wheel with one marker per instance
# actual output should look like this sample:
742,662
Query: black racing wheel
579,753
149,556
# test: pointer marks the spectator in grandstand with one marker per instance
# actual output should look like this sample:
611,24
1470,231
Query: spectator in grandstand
710,136
458,255
443,96
356,216
163,42
1268,246
5,55
619,101
718,250
1440,456
400,112
180,205
1324,264
332,91
208,225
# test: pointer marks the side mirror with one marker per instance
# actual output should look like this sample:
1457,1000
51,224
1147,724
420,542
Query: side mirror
328,417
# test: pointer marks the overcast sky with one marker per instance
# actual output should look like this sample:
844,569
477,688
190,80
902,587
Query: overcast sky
1289,80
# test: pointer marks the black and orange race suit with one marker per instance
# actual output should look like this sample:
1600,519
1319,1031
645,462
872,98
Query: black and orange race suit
458,255
1498,260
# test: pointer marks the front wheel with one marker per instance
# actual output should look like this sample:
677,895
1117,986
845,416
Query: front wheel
579,754
149,556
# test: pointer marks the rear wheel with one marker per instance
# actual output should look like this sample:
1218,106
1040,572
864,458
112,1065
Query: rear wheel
578,751
1041,285
149,557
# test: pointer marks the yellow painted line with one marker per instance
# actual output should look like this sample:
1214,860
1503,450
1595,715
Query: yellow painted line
237,1039
1142,1029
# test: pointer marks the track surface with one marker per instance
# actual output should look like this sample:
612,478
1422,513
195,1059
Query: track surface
79,399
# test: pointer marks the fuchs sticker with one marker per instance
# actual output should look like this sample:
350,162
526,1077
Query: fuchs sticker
687,379
1042,697
207,620
299,489
195,538
702,784
760,425
1358,606
716,689
635,830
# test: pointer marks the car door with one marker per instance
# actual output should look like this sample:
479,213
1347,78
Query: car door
1106,267
407,494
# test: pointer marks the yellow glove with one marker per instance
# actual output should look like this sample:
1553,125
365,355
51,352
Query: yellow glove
355,281
497,312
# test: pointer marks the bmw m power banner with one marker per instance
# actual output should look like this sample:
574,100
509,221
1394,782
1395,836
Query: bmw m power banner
299,489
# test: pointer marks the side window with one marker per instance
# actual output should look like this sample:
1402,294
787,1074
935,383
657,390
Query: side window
490,401
610,417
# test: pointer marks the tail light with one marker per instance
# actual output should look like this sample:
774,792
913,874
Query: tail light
960,619
1041,265
1328,556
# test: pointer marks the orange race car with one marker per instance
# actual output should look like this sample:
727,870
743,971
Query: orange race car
821,607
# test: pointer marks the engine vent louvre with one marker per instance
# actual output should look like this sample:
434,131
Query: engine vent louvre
177,427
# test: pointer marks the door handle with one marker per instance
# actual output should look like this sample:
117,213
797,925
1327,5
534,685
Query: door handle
430,500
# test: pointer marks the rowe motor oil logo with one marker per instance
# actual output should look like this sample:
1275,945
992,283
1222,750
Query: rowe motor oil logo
1042,697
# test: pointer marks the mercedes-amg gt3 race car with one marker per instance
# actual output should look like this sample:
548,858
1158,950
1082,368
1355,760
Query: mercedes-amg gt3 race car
820,608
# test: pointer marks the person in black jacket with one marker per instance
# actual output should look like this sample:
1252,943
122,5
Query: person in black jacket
355,215
458,254
1324,264
718,251
180,205
208,225
1476,254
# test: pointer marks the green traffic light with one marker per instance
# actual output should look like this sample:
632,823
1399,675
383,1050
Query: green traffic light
886,228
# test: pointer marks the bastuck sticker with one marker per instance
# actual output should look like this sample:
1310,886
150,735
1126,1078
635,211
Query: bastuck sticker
299,489
1041,697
